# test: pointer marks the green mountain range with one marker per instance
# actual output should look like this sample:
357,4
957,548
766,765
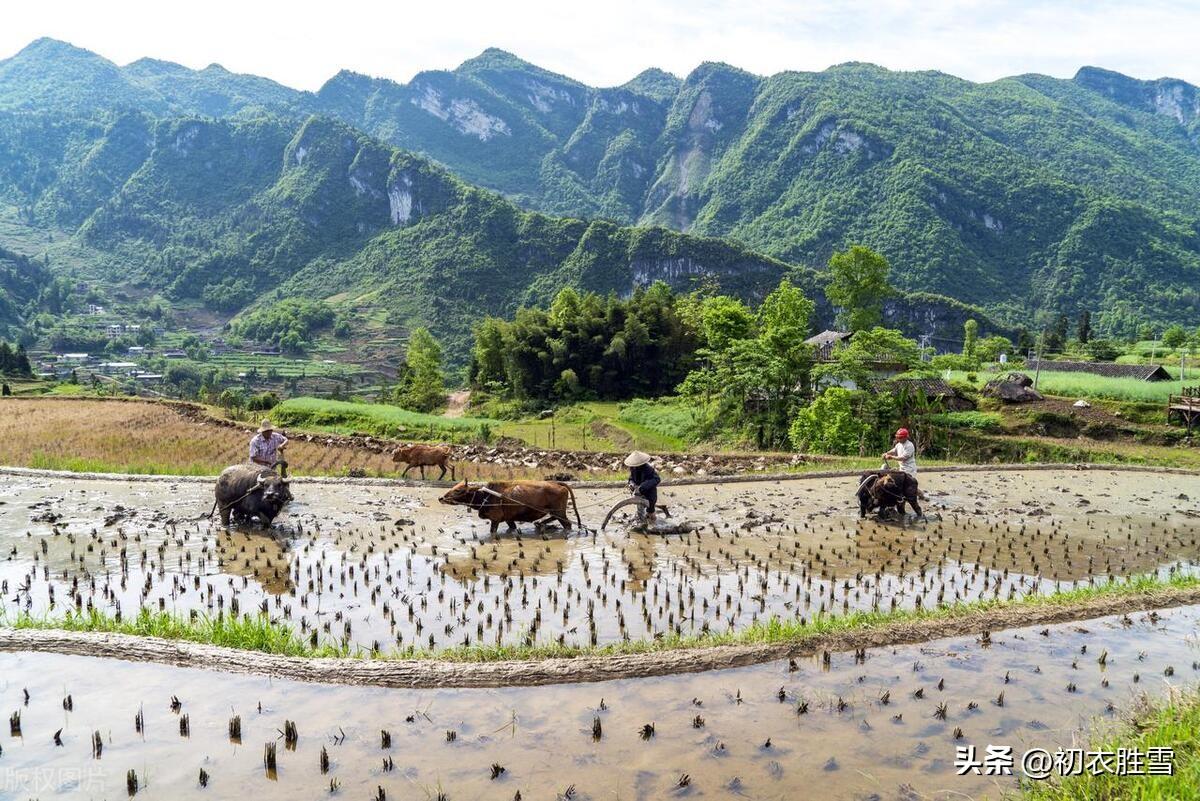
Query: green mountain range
1022,195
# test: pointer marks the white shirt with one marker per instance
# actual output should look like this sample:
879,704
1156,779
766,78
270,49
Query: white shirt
906,452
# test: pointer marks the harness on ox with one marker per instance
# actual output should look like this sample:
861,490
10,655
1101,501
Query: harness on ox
500,499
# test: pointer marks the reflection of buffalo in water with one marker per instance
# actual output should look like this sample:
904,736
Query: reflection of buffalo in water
507,555
248,491
261,557
887,489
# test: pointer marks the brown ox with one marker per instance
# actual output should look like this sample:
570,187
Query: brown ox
422,456
515,502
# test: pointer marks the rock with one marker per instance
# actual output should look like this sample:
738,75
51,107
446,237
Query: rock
1012,388
1082,404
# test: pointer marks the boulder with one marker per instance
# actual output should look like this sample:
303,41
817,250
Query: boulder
1012,388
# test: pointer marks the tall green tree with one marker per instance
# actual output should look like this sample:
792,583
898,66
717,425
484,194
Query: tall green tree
755,368
426,389
1175,336
858,286
1083,330
970,338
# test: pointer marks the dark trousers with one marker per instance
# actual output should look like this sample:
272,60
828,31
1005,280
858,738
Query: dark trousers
651,495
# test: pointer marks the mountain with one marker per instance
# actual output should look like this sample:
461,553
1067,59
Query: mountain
1024,195
49,75
23,284
241,211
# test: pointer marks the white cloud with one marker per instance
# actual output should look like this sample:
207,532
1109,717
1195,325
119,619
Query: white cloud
302,44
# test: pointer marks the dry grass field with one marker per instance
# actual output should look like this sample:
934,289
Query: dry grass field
153,438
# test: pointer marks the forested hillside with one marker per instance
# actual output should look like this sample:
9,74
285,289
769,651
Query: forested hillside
229,213
1021,195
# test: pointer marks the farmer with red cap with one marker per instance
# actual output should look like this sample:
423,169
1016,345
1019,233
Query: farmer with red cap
903,452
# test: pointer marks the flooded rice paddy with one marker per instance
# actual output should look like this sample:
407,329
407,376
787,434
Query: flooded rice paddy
389,568
880,724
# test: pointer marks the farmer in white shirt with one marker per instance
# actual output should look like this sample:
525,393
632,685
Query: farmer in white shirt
903,452
266,448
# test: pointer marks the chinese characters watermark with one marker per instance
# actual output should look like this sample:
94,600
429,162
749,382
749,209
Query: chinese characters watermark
1039,763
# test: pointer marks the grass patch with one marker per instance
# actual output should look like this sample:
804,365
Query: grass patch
668,417
1173,723
78,464
258,633
248,633
592,425
1085,385
978,421
381,420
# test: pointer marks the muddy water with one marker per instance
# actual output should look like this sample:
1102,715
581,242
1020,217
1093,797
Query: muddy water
391,568
729,732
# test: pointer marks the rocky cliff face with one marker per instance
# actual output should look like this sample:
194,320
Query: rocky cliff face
990,193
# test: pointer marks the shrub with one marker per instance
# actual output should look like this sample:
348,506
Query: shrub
263,401
830,424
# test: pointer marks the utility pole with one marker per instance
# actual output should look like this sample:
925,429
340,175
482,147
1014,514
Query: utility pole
1038,371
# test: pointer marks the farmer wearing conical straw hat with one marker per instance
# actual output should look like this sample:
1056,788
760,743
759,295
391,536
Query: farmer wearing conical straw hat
643,480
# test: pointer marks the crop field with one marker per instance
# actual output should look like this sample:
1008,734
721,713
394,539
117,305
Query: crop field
143,437
1082,385
345,417
595,425
388,573
281,366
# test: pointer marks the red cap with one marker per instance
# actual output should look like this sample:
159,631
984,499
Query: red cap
902,433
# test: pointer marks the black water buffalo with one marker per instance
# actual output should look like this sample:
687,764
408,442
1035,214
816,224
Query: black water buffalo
249,491
887,489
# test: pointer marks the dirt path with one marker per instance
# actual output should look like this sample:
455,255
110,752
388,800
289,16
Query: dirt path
428,673
456,404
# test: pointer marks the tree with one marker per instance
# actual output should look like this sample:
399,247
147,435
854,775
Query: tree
830,424
725,320
426,388
1083,330
755,369
857,360
487,354
989,349
970,338
1056,334
232,399
1174,337
1103,350
858,285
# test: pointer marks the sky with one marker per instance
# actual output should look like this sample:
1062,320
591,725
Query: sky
302,44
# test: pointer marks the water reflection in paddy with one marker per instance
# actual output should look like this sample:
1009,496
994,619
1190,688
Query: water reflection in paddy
774,731
389,567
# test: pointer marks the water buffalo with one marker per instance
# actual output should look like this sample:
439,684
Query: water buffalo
887,489
251,491
422,456
515,501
